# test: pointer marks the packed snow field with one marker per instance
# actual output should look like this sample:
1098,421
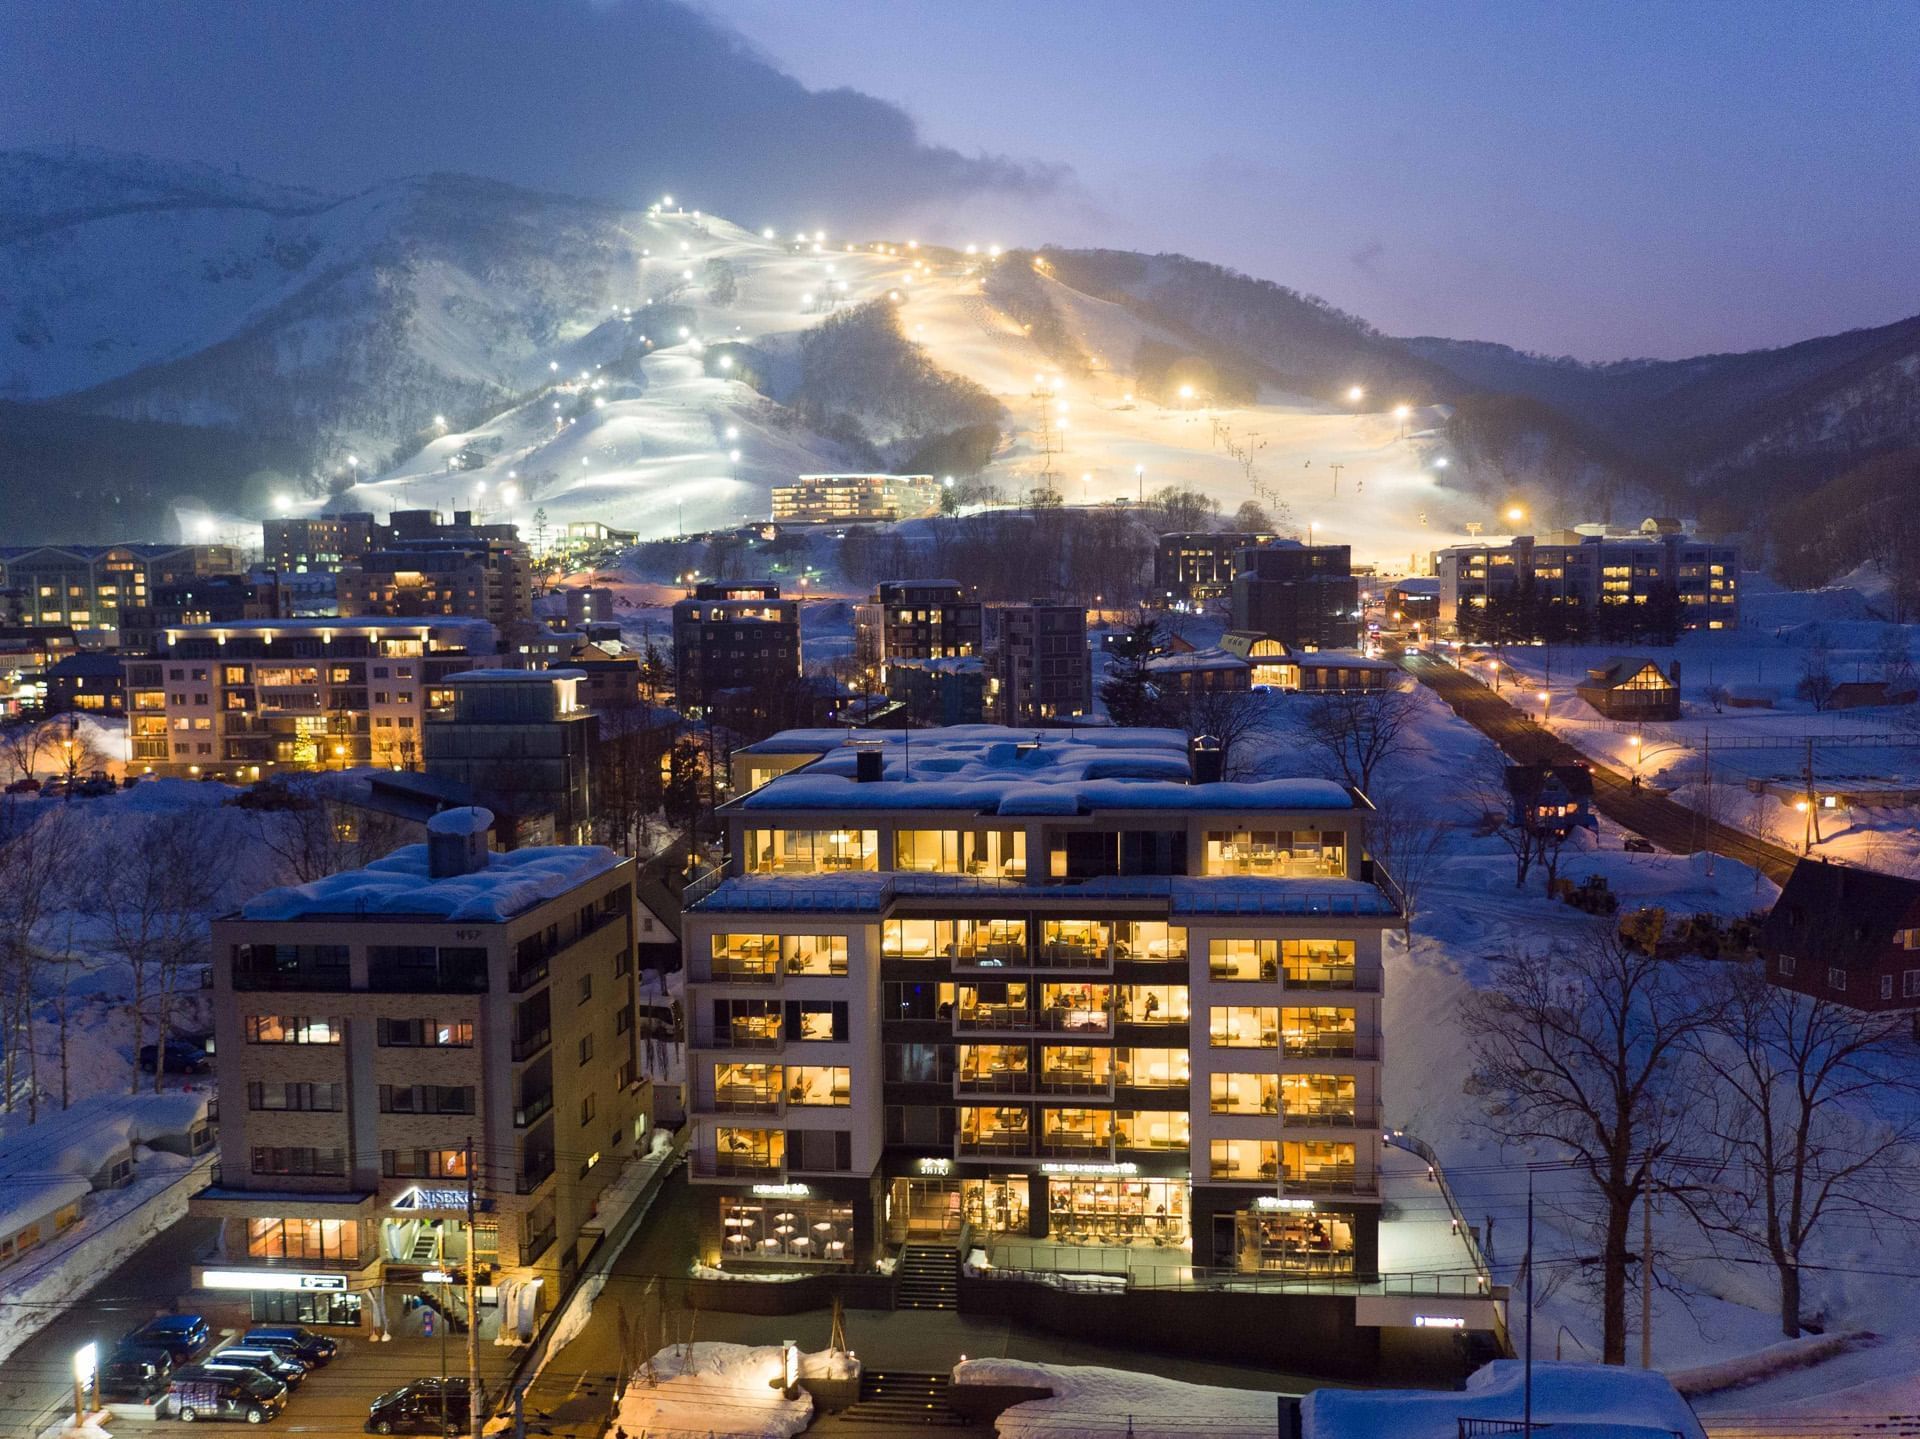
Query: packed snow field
673,442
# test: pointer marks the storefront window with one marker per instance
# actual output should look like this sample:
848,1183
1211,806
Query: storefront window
996,1204
316,1240
1292,1242
280,1307
1117,1211
811,1231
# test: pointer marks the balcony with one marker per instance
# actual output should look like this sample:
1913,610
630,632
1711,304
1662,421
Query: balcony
538,1171
993,1018
526,1046
744,1034
1000,1081
993,1146
532,1111
1332,976
706,1164
529,969
739,1099
745,969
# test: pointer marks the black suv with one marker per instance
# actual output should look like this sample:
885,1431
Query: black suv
135,1374
416,1408
312,1350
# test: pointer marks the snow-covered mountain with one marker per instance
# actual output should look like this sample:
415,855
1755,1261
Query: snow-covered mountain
451,340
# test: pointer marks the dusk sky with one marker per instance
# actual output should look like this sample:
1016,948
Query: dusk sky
1601,179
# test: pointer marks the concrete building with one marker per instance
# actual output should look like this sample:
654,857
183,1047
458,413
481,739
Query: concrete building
521,742
479,578
87,586
220,599
239,701
390,1037
1069,989
856,499
1588,581
1305,596
918,620
307,551
1194,568
942,692
88,683
734,636
1040,662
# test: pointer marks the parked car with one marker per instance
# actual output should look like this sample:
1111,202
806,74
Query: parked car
416,1409
26,784
135,1374
1634,844
95,785
238,1394
182,1058
276,1363
312,1350
181,1335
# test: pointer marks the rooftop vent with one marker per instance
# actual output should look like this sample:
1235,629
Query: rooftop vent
869,761
1206,761
457,842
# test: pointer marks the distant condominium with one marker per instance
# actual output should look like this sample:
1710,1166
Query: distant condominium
1589,581
414,562
918,620
239,701
734,636
87,586
825,499
1064,986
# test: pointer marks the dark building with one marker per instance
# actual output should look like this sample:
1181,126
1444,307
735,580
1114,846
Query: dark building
88,683
309,544
1194,568
1628,687
1554,799
87,586
1302,595
940,692
734,636
918,620
1847,935
212,599
480,578
1041,664
520,741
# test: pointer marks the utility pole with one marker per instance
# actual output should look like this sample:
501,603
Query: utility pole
1336,476
1526,1423
474,1407
1646,1266
1706,760
1810,832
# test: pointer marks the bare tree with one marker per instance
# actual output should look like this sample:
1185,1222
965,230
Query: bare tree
1577,1049
1407,840
34,861
23,747
1799,1097
311,837
1354,734
1816,673
1229,716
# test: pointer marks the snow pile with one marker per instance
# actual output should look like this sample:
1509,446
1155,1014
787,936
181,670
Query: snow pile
708,1271
723,1391
462,823
1603,1400
401,884
80,1141
1101,1402
1781,1358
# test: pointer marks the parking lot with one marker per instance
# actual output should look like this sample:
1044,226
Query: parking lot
334,1400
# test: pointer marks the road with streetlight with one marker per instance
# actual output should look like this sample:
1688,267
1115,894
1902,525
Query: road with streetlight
1673,827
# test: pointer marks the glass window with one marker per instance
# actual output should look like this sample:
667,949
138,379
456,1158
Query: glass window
749,1150
1317,961
1244,1094
811,851
1319,1161
986,1129
810,1231
994,1006
1276,852
1244,1159
425,1033
1292,1241
1325,1098
1075,942
292,1029
991,1067
1075,1068
814,953
1086,1008
1318,1029
1243,1026
927,851
424,1163
747,1086
1117,1211
312,1239
990,941
1152,1068
745,956
1149,940
1076,1131
1242,959
1151,1128
1153,1004
819,1084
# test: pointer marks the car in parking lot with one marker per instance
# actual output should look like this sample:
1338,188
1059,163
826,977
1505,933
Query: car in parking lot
135,1374
312,1350
417,1408
244,1395
182,1058
276,1363
181,1335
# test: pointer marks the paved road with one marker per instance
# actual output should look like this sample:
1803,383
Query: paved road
1673,827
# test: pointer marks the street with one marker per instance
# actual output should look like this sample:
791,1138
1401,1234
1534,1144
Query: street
1673,827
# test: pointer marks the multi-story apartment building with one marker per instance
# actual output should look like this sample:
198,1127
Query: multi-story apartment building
521,742
736,635
918,620
238,701
1612,583
87,586
1069,987
390,1036
481,578
829,499
216,598
315,544
1041,663
1194,568
1304,596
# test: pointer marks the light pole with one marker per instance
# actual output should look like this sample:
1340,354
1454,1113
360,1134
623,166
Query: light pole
1546,699
85,1372
1140,483
1634,741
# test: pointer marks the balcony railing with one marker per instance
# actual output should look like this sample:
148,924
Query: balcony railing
1331,976
525,1046
739,1101
538,1171
741,969
1004,1081
993,1146
740,1037
528,971
1076,1146
1004,1017
533,1110
1060,1082
708,1165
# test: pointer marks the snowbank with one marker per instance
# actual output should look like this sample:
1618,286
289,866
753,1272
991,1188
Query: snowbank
723,1391
1102,1402
1781,1358
1616,1401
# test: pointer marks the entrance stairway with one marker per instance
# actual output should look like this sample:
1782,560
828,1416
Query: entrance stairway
898,1397
426,1247
928,1277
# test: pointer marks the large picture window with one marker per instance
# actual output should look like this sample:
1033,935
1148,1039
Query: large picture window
314,1240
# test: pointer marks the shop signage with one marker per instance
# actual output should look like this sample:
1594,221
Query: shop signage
1282,1201
780,1191
933,1166
271,1279
1109,1171
422,1198
1438,1321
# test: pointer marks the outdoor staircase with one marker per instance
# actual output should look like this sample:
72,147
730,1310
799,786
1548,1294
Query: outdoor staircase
928,1277
898,1397
426,1247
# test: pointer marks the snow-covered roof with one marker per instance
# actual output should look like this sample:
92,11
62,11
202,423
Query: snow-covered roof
1342,659
23,1200
467,820
1591,1401
82,1139
991,769
401,885
1211,658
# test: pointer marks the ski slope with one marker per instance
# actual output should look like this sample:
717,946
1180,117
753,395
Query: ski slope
682,447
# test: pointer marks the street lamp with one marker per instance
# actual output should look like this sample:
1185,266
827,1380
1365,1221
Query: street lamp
86,1361
1355,395
1516,513
1635,741
1545,699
